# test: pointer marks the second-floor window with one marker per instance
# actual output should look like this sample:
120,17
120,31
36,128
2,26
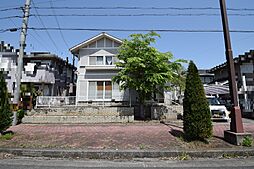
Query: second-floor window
101,60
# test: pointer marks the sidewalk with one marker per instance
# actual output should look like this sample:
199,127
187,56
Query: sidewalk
137,137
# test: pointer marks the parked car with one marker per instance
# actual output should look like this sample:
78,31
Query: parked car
218,110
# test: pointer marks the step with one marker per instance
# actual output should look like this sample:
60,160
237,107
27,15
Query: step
46,119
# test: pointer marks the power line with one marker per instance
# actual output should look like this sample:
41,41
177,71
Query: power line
121,7
10,9
10,17
31,34
142,30
40,20
15,6
129,15
139,15
146,8
9,30
132,30
66,44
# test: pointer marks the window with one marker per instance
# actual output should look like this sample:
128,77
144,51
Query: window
109,43
100,43
92,60
108,60
101,60
100,90
108,90
92,90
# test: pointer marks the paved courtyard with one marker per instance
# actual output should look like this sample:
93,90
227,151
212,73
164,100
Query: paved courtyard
113,136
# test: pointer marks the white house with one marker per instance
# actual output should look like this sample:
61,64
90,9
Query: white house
96,67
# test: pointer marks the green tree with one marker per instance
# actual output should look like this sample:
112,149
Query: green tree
178,81
5,111
197,123
143,68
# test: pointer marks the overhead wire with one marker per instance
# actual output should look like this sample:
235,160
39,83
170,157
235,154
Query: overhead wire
40,20
58,24
128,15
138,15
10,9
146,8
143,30
9,17
123,8
31,34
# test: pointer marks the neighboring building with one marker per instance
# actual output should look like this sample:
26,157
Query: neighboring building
49,74
205,76
96,67
8,64
244,73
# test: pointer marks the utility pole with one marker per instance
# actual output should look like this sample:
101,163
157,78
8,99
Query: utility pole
23,34
236,133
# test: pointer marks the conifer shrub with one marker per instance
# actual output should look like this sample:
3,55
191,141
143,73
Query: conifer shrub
197,123
5,111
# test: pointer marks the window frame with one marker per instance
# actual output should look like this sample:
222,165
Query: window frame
104,60
104,98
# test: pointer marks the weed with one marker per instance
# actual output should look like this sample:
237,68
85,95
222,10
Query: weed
228,156
247,141
141,146
184,156
8,136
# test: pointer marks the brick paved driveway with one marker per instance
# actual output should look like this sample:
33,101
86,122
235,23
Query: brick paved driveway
111,136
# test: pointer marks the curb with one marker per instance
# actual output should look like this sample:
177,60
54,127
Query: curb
127,154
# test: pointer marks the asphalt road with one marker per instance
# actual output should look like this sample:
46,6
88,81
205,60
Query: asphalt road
44,163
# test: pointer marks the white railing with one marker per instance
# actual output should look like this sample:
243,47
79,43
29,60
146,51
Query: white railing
60,101
55,101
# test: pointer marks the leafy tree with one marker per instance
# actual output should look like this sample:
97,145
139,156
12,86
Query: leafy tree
5,111
178,82
143,68
197,123
29,88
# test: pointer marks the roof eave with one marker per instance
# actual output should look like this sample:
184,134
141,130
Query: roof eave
76,48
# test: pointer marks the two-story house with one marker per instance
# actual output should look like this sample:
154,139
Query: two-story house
244,73
49,74
96,67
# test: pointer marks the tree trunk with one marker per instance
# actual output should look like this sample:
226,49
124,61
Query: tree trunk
141,111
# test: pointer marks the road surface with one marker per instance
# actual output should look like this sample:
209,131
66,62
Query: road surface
46,163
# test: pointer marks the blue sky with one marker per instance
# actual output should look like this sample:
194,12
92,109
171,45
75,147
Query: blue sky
205,49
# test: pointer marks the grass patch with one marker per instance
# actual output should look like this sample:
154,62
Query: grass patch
184,156
8,136
228,156
247,141
142,146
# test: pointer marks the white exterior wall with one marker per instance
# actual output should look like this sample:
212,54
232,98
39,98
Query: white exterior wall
88,72
8,63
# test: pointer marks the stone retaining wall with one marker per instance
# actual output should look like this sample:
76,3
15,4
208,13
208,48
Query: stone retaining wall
82,114
166,112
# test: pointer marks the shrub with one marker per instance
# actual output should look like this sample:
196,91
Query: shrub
247,141
197,123
20,115
5,111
